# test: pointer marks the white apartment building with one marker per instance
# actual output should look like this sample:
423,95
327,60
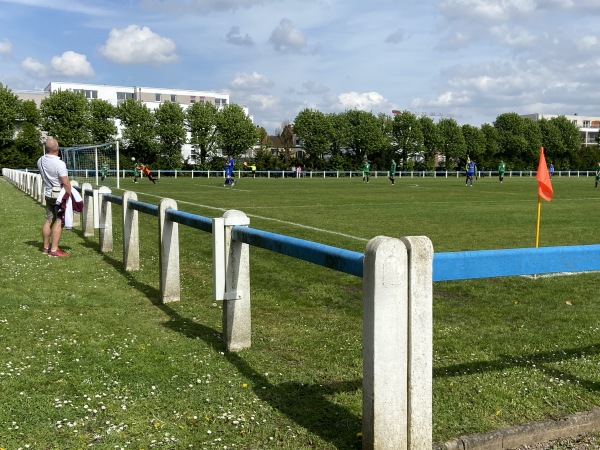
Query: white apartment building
150,96
589,126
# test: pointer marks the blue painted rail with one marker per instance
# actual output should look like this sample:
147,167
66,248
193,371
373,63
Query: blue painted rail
447,266
324,255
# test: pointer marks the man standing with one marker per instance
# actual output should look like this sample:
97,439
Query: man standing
501,170
366,170
551,170
597,174
229,165
471,167
54,175
104,170
392,171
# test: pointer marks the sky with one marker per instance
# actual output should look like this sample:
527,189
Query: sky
470,60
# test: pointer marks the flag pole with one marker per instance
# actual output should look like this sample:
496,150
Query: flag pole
537,227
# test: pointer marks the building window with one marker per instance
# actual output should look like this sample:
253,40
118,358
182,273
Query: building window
87,93
157,97
586,124
220,102
122,96
173,98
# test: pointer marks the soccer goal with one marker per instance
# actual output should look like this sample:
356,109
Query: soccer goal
93,161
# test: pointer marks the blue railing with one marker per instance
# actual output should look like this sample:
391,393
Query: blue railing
447,266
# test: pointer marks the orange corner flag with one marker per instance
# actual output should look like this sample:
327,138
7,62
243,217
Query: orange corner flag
543,177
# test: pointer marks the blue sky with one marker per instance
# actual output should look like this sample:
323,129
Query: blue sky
467,59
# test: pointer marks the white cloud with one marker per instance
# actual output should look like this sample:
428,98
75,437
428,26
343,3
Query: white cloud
5,47
486,10
71,64
516,37
254,80
263,102
361,100
287,38
34,67
138,45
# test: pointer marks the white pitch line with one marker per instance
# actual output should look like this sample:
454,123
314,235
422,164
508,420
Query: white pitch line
299,225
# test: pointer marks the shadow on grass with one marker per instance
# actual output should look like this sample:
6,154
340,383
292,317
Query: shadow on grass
540,359
305,404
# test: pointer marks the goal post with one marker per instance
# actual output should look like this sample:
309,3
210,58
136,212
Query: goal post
93,161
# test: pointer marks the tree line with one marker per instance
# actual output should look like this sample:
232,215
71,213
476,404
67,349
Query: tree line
335,141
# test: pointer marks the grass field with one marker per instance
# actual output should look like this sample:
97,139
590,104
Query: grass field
91,359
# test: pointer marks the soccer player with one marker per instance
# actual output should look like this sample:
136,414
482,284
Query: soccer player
146,171
104,170
471,166
366,171
392,172
501,170
229,165
551,170
597,174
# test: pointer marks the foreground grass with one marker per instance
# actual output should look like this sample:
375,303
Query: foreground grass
91,359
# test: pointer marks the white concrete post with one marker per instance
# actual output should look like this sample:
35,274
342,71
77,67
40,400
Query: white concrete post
105,221
168,237
420,342
385,345
236,306
131,236
397,344
88,210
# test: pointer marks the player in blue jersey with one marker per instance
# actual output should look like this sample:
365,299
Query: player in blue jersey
470,172
229,165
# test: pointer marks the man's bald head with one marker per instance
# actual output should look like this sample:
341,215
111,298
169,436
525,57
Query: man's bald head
51,145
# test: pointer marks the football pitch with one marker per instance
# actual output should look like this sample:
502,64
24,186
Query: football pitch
93,360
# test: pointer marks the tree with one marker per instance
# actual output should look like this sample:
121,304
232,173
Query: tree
340,132
314,129
512,142
431,141
139,135
171,134
474,142
66,117
452,141
235,131
202,125
287,140
365,138
102,123
407,136
491,157
9,110
570,142
29,138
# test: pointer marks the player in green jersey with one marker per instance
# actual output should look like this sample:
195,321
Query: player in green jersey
501,170
392,172
366,171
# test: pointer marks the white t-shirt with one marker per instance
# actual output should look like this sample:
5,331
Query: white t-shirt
51,168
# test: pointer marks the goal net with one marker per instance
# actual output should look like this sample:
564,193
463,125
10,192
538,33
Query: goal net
98,162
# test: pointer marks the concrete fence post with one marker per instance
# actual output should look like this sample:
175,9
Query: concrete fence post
397,344
105,221
420,341
170,290
88,210
131,236
235,255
